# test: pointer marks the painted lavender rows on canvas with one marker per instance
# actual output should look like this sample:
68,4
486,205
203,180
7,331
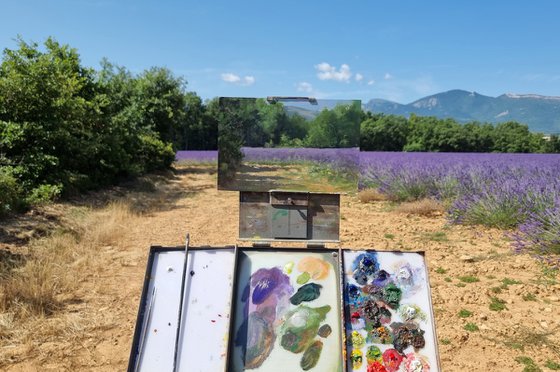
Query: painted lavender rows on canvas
289,318
295,169
388,318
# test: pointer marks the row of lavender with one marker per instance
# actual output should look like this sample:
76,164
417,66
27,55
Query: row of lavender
519,191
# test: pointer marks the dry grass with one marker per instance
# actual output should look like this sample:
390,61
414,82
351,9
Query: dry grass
424,207
371,195
32,294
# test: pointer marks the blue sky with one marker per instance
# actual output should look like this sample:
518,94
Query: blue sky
362,49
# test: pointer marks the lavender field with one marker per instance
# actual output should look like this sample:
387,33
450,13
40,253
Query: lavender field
509,191
516,192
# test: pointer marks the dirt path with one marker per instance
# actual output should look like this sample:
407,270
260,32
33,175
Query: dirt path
191,203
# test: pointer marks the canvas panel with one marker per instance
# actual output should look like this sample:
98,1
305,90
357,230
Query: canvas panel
289,145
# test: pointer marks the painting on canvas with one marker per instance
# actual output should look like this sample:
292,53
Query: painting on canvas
388,315
287,312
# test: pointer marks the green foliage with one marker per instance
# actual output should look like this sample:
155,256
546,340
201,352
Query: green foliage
65,128
464,313
506,282
469,279
445,341
550,364
497,304
43,194
529,297
471,327
441,270
381,132
438,236
9,191
530,365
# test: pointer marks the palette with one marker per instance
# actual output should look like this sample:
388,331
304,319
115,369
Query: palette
284,309
388,315
287,311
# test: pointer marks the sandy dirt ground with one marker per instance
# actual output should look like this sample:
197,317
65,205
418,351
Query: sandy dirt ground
190,202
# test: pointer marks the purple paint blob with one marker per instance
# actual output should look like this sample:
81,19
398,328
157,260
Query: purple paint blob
264,282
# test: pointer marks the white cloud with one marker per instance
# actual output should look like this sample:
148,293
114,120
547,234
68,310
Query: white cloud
236,79
327,72
371,82
231,78
387,76
248,80
359,77
305,87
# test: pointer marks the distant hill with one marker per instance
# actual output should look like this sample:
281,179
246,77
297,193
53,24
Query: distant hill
540,113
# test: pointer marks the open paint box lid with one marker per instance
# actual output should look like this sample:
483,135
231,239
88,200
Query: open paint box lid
284,309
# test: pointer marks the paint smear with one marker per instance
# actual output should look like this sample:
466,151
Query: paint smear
311,355
266,297
317,268
306,293
301,326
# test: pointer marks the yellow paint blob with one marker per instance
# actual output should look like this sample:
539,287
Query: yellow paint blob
357,358
289,267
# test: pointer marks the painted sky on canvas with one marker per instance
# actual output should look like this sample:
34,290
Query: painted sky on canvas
362,49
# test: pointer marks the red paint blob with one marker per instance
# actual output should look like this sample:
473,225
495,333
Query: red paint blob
376,367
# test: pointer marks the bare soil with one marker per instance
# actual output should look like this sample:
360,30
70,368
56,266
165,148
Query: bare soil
105,304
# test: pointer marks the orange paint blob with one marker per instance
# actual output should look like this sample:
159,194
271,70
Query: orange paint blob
317,268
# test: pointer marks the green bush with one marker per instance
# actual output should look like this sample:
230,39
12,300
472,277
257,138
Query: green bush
10,191
154,154
44,194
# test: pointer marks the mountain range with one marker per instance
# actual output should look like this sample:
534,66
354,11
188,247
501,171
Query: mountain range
540,113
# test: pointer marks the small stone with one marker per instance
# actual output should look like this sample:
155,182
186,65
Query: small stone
484,327
543,324
553,298
548,310
483,317
466,258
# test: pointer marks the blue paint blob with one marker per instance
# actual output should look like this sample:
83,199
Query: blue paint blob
364,267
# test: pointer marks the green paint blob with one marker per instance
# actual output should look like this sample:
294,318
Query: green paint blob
311,356
373,354
301,326
307,293
392,295
303,278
